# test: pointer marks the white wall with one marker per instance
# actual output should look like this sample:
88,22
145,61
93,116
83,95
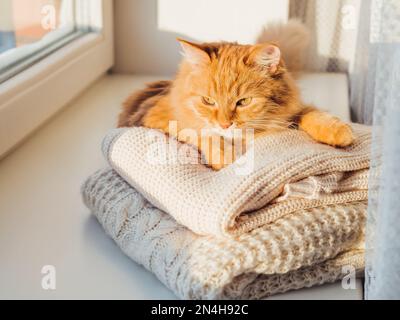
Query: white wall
146,30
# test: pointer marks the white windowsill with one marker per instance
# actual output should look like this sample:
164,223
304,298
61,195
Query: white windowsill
44,222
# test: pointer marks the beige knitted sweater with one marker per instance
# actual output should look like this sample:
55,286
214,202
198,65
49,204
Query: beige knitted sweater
288,172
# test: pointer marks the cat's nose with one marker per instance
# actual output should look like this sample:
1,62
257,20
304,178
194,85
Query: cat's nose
225,125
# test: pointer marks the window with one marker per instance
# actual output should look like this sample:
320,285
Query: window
51,50
32,29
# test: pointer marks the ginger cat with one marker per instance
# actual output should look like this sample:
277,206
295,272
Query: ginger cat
226,86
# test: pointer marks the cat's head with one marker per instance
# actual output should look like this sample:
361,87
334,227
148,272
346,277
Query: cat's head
229,86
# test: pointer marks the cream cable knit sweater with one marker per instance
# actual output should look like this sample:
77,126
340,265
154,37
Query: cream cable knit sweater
289,173
299,250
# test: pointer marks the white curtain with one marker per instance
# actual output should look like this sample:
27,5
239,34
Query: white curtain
376,99
370,54
333,24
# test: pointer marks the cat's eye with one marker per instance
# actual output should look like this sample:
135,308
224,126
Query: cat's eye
208,101
244,102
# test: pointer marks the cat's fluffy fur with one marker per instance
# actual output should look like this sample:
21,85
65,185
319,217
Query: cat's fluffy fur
225,86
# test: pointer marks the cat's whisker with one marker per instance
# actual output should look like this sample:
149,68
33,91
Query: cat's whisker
265,124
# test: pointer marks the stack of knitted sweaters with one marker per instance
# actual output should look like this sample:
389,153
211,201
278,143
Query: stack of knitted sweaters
294,218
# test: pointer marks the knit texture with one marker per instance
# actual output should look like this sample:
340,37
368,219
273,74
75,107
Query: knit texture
289,172
298,250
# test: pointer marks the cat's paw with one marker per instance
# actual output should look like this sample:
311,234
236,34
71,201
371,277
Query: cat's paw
218,166
325,128
341,135
220,159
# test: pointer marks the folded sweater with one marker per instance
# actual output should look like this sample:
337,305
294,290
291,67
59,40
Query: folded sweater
306,248
281,174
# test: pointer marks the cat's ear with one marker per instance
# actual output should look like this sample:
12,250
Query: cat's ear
194,53
269,56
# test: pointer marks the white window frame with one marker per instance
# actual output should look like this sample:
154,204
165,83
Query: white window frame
14,60
31,97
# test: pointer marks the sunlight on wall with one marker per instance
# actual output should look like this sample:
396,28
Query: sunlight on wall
210,20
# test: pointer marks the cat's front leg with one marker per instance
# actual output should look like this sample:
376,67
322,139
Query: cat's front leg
326,128
218,152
